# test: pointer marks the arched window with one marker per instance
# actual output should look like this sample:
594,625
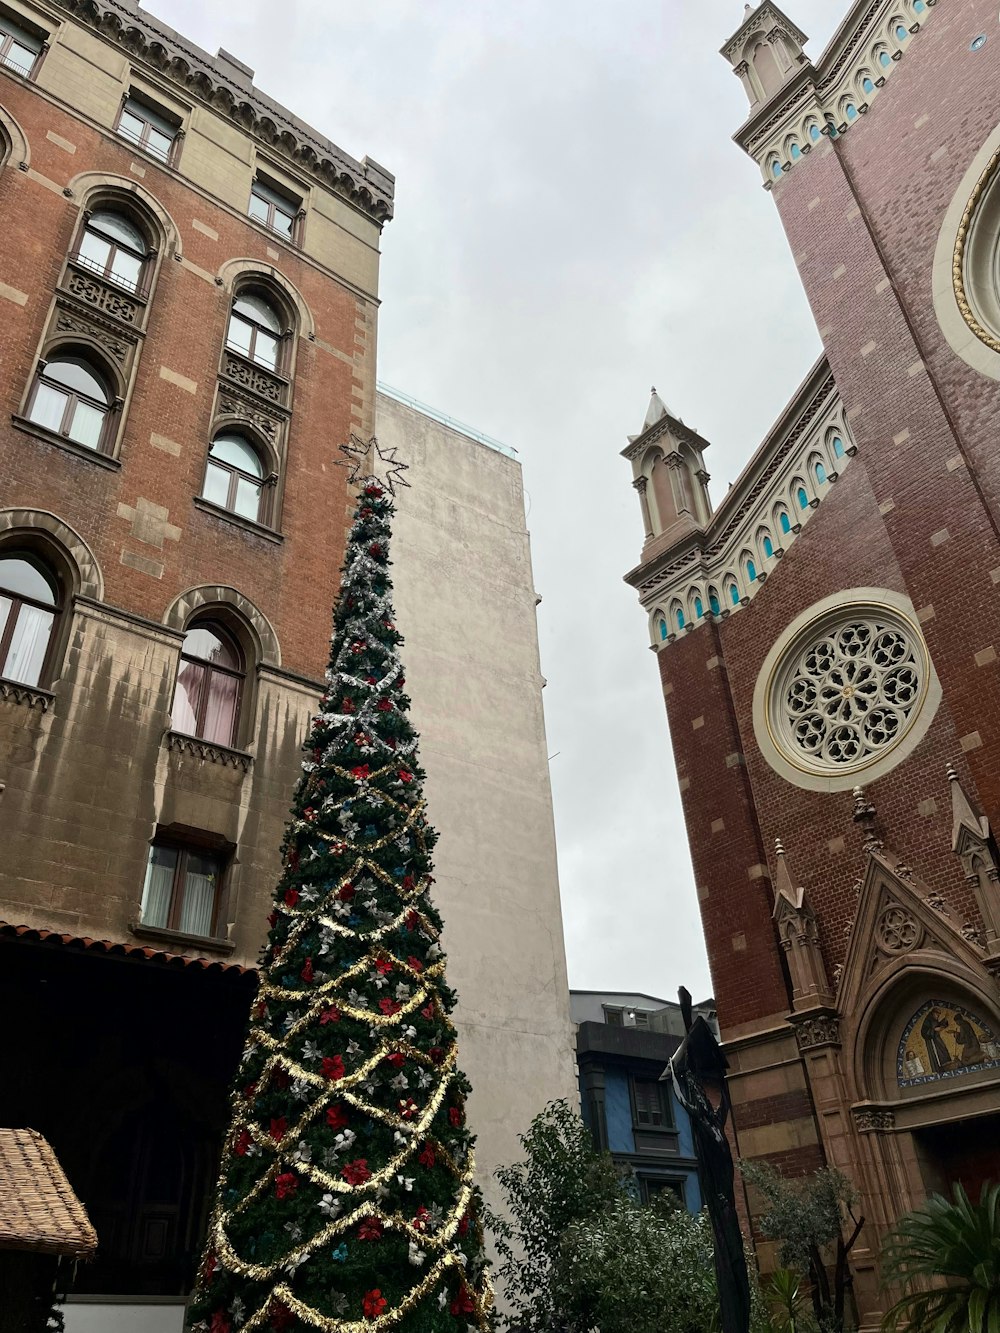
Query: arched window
70,397
815,133
867,85
679,617
852,111
820,471
802,498
699,609
255,329
734,594
786,522
234,478
901,33
713,602
661,626
918,6
751,571
884,59
768,547
838,447
796,152
209,684
775,168
114,247
29,604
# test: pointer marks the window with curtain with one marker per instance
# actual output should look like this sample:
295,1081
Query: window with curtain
114,247
19,48
255,330
181,891
29,605
234,478
209,685
275,210
70,397
148,128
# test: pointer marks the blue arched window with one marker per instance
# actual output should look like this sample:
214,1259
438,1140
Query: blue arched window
918,6
838,447
734,594
796,152
775,168
901,33
852,111
680,618
802,498
820,471
786,523
699,610
662,626
713,603
768,547
751,571
815,133
885,59
867,85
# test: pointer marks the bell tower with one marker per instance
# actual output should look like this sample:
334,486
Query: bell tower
765,51
668,471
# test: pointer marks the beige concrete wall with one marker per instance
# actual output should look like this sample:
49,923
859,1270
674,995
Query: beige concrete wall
465,601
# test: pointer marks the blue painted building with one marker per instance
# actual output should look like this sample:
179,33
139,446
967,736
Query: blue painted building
623,1044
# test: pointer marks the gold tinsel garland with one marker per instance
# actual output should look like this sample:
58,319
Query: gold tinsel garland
343,1090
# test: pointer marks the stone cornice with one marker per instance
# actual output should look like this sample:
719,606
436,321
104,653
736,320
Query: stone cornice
366,184
667,425
764,20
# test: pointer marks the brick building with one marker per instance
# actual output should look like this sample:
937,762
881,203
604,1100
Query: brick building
828,635
189,290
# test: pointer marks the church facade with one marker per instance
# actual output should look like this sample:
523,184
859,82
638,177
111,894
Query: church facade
828,637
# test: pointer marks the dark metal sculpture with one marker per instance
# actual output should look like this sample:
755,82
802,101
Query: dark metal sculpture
699,1060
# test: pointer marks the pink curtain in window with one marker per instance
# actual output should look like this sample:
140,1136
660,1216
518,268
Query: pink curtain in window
220,715
187,698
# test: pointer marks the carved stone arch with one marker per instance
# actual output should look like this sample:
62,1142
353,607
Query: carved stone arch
195,600
14,142
695,593
90,187
234,272
83,573
870,1034
676,606
657,617
763,531
97,346
818,456
794,486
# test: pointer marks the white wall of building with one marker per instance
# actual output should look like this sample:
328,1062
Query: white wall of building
465,602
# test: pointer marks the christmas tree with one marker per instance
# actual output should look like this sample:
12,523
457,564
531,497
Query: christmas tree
346,1199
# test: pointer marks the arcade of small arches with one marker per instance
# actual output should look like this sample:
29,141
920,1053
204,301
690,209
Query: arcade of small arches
854,93
767,536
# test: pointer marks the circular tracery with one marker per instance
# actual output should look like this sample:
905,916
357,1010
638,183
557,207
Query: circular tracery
846,692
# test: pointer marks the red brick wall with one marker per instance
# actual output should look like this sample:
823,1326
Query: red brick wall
293,583
862,214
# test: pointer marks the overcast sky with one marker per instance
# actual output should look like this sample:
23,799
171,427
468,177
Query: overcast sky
573,225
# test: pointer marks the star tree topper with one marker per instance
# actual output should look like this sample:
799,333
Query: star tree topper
368,461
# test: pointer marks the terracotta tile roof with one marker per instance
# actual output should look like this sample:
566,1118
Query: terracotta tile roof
120,949
38,1209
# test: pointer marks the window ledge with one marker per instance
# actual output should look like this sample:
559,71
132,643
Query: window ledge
247,524
208,750
17,693
70,446
163,936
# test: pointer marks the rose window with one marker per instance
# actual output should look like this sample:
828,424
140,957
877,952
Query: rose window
847,693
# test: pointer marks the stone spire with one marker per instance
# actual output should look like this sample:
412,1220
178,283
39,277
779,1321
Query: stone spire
973,843
798,932
765,51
